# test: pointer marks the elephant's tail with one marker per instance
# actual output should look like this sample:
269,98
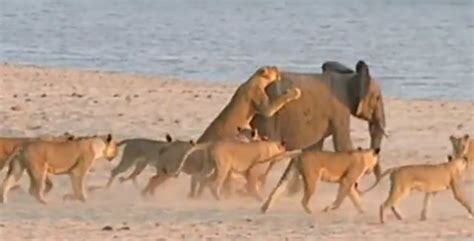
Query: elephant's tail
291,169
387,172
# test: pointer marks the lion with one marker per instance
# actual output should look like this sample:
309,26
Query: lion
225,157
142,152
139,152
345,168
170,157
9,144
427,178
74,157
249,99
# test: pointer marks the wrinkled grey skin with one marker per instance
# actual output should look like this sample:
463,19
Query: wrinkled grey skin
324,109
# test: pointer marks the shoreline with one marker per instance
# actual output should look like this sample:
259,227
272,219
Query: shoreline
225,83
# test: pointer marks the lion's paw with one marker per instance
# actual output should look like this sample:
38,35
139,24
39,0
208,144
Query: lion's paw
293,93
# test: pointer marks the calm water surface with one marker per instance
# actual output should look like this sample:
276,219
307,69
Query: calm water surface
417,49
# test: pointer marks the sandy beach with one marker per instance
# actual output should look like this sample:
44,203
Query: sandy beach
45,101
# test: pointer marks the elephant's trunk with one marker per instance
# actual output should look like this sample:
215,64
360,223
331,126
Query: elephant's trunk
377,132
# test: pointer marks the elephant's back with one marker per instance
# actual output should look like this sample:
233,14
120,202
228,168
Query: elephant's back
304,121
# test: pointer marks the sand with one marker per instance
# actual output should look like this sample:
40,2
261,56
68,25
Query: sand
45,101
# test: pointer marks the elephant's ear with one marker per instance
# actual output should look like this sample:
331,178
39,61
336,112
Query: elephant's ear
337,67
364,78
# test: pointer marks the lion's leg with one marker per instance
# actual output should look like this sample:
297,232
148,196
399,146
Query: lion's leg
153,183
355,198
252,186
15,171
461,197
195,182
78,185
426,206
222,175
345,187
48,185
296,184
395,196
281,186
38,174
139,167
78,180
310,181
125,163
228,186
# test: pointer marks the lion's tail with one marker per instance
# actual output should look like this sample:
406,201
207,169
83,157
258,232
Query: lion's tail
281,156
291,169
387,172
197,147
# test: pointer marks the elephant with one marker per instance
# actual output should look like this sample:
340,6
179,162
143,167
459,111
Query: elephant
327,102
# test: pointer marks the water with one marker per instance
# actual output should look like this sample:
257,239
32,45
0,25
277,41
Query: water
417,49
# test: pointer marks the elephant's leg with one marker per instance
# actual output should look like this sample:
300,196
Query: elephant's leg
341,133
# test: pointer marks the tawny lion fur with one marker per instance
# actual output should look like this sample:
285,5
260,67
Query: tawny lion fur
73,157
248,100
222,158
427,178
170,159
464,147
9,144
345,168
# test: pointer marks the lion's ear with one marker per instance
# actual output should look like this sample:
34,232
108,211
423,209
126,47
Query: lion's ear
450,158
263,71
109,137
168,138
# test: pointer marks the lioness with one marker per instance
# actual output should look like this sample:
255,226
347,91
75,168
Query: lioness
428,178
345,168
74,157
170,158
139,152
248,100
230,156
9,144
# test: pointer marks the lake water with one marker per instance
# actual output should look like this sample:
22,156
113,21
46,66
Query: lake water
417,49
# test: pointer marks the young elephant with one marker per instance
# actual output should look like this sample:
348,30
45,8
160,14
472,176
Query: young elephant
427,178
345,168
73,157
